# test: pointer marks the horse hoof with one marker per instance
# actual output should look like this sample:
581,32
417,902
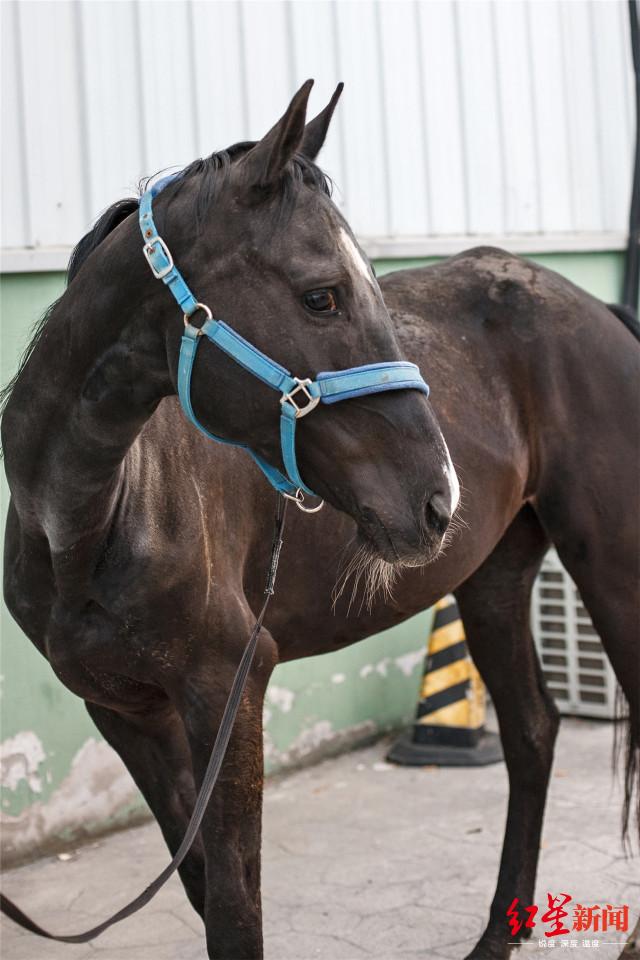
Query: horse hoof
487,949
493,953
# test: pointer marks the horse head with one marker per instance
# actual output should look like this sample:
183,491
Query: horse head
260,241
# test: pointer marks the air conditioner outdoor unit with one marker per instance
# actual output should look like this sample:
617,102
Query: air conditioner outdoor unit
573,660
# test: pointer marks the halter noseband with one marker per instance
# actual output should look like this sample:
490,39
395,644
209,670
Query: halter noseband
298,397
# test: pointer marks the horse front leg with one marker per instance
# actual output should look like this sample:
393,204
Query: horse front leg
231,829
494,604
154,748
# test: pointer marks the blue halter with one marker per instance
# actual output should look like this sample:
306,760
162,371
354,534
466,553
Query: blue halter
298,397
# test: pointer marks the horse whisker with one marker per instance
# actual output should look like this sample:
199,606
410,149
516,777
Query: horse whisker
378,577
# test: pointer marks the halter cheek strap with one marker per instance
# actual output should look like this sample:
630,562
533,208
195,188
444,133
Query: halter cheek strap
298,397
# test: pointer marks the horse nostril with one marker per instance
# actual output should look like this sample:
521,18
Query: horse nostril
439,512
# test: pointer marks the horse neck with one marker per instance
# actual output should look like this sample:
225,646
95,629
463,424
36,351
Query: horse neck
95,376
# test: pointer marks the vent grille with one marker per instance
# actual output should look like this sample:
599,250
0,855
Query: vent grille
574,663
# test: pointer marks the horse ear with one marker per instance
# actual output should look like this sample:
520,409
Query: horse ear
316,130
264,162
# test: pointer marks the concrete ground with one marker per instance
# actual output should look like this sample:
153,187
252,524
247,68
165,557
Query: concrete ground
361,860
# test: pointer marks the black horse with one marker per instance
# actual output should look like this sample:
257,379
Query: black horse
136,548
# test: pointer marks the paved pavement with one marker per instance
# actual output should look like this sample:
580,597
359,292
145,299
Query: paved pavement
361,860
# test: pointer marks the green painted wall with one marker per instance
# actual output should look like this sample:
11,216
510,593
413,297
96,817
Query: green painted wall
312,707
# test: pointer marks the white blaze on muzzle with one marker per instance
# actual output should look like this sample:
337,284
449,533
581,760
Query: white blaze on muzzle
452,478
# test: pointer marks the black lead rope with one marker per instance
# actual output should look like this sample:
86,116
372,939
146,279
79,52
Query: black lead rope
213,769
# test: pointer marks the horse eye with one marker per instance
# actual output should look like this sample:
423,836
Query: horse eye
321,301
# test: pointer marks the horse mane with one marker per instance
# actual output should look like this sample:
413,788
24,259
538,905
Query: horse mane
106,222
213,172
36,333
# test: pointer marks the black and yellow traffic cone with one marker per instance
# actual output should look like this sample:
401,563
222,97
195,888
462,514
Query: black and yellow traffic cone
449,726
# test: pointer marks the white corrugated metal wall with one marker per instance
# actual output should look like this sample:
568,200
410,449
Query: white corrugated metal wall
502,119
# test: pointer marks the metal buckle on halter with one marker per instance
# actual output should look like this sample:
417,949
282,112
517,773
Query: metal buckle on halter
301,388
298,499
148,250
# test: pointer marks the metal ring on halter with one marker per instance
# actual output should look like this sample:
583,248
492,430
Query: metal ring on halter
298,499
198,306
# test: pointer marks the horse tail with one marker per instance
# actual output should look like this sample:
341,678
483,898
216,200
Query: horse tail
626,747
107,222
628,316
